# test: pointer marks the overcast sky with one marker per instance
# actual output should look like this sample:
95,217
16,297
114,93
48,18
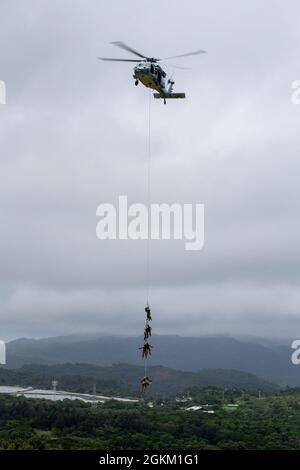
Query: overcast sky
73,134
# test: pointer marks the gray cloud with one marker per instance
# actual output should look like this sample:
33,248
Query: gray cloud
73,135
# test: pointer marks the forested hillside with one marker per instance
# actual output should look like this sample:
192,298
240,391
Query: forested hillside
124,379
266,423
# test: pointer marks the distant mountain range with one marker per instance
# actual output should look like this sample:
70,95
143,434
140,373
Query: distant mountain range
267,360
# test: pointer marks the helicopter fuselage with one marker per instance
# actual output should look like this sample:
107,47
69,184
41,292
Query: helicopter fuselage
151,75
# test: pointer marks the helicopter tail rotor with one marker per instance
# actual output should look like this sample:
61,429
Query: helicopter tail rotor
171,83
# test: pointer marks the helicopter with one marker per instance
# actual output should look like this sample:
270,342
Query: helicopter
150,73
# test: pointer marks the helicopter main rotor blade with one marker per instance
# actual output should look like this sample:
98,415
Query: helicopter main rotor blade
200,51
180,68
124,46
108,59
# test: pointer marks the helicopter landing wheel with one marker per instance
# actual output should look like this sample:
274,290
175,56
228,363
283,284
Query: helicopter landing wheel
136,83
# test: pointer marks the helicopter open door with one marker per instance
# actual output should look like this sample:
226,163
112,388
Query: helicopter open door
169,96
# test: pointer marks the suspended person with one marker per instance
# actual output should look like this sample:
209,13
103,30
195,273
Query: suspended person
145,382
146,350
147,332
148,312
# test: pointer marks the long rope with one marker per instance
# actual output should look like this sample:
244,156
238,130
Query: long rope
149,196
148,280
146,366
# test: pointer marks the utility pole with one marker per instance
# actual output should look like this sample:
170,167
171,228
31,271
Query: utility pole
54,385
